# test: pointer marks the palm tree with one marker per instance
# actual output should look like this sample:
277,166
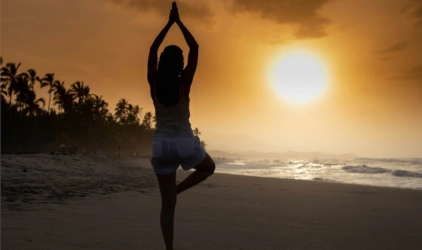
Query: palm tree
86,110
203,144
30,104
196,132
109,118
59,92
33,106
48,80
22,89
133,114
147,122
100,106
62,97
121,110
32,77
9,75
67,101
2,86
80,91
3,94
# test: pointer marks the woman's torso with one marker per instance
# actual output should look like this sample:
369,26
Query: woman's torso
172,120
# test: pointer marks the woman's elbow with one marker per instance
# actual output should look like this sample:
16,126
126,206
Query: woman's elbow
194,46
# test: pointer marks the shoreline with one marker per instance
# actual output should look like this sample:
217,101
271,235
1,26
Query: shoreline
323,181
227,212
143,160
98,202
87,175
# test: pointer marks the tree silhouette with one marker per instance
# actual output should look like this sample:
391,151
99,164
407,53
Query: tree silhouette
121,111
133,114
196,132
83,118
100,106
148,119
9,76
62,97
3,95
80,91
203,144
32,77
59,89
48,81
30,104
21,89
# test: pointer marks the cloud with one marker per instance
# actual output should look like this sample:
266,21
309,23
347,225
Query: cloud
198,11
413,74
394,48
303,14
413,8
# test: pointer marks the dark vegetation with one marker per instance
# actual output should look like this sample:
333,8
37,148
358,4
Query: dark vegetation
72,116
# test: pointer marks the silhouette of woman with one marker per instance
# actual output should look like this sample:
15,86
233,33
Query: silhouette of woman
174,143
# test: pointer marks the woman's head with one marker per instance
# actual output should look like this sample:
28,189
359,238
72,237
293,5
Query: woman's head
171,60
170,68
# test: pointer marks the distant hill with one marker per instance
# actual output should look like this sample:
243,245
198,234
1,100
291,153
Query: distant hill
297,155
235,143
220,153
245,146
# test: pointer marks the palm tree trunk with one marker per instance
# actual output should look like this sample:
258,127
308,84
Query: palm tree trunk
49,99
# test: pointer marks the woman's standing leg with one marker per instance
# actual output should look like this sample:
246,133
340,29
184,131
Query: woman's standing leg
167,183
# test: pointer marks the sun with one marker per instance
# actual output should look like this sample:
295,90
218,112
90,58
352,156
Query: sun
299,77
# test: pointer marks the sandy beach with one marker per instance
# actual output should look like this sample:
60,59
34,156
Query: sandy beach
96,202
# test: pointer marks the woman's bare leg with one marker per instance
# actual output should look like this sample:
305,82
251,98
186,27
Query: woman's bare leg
205,169
167,183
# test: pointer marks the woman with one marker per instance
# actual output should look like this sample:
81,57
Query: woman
173,141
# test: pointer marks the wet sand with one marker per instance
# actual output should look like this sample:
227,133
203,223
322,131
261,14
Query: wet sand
93,202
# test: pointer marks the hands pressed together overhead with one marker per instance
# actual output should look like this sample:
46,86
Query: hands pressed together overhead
190,68
174,14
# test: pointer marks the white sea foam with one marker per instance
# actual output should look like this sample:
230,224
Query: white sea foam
239,163
403,173
365,169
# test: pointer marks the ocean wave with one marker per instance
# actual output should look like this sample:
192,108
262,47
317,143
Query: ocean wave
411,161
331,164
404,173
321,179
365,169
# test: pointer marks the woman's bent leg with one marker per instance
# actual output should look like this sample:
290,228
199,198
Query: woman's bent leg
204,169
167,183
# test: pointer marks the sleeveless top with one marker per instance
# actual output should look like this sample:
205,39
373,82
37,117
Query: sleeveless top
172,120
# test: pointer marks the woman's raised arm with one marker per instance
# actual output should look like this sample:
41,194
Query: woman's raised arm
153,51
193,47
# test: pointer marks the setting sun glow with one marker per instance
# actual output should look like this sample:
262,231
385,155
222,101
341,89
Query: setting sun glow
299,77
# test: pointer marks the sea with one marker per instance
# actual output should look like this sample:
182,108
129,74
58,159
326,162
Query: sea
398,173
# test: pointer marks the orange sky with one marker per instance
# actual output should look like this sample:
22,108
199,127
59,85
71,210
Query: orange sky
372,50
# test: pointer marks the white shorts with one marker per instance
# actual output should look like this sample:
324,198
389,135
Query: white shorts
168,153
